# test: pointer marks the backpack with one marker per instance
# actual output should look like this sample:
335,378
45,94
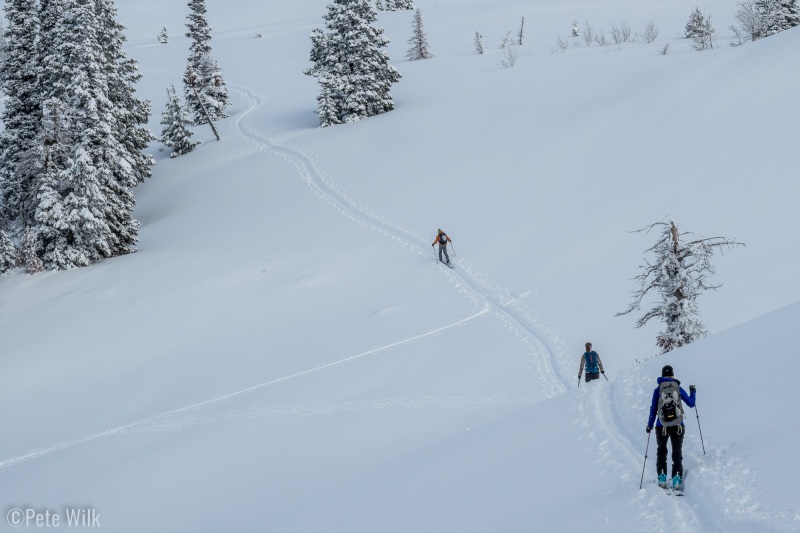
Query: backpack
670,408
443,238
592,366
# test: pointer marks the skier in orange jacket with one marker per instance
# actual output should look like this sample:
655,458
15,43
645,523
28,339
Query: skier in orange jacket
442,239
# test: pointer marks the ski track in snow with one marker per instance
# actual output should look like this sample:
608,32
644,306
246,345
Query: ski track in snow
616,457
162,420
543,355
720,491
717,497
488,300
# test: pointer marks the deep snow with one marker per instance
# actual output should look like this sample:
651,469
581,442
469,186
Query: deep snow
283,353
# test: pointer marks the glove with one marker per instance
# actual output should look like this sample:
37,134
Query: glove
603,372
692,388
648,429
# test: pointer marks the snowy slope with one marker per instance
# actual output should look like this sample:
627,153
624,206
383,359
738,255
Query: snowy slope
283,354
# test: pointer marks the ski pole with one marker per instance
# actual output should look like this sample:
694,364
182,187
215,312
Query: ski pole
645,460
604,375
433,250
701,429
579,381
454,249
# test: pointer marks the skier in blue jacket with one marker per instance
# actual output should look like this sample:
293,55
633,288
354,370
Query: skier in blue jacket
673,432
591,361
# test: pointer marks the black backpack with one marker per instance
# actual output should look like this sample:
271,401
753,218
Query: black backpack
443,238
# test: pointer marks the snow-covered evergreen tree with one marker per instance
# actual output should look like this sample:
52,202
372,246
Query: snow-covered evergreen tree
394,5
205,91
695,23
175,134
679,274
26,254
770,16
163,37
791,13
349,62
132,114
700,30
21,114
420,48
2,50
479,46
85,199
8,254
777,15
328,100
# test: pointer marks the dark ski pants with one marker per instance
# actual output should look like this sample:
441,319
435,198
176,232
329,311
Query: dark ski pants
591,376
674,435
443,248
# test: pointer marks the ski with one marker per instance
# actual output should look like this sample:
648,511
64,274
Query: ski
448,265
669,489
679,489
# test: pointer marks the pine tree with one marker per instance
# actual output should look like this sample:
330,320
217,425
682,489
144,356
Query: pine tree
679,275
21,114
777,15
395,5
350,65
770,16
479,46
328,107
2,50
131,113
8,254
791,13
420,48
26,254
163,37
700,30
205,91
695,24
175,134
85,202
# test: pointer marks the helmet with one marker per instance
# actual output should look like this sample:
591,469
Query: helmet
667,372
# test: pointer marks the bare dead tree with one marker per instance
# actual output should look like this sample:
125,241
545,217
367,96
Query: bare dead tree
679,274
650,32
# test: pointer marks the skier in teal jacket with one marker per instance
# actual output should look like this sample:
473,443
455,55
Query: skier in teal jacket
593,364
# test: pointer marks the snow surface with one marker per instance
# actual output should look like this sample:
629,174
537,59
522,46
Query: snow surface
283,353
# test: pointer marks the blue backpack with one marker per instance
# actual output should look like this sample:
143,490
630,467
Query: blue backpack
592,366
